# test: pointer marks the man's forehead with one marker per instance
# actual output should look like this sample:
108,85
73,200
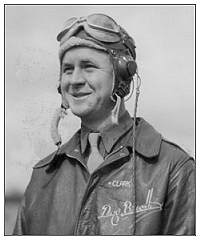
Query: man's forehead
84,54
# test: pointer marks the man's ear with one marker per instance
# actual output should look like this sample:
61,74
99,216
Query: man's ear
59,88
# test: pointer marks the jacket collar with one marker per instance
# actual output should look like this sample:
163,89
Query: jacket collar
148,142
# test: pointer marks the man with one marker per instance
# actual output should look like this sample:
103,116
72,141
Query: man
117,175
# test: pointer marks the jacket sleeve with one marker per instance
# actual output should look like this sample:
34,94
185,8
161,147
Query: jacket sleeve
179,207
19,228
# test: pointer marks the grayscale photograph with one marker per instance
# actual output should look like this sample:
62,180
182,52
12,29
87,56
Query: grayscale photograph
100,120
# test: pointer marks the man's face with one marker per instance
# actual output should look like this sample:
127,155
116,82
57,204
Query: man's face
87,82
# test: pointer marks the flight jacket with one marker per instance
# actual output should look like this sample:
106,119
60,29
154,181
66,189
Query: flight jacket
153,194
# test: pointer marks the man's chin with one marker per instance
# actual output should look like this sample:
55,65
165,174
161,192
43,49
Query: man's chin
81,113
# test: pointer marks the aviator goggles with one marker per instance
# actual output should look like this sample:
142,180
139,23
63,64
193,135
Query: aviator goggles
101,27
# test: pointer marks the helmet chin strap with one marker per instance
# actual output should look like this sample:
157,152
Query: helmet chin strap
60,113
115,98
115,111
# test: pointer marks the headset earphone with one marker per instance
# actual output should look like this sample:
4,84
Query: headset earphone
125,68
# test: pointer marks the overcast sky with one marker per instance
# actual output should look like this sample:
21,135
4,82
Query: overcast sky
164,37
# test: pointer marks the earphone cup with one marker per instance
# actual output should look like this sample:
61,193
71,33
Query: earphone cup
132,67
126,68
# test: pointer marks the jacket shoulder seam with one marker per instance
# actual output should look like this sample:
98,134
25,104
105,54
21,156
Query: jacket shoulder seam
176,146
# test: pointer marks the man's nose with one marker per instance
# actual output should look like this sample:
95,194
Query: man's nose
77,78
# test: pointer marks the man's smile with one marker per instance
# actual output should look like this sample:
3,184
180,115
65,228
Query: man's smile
80,95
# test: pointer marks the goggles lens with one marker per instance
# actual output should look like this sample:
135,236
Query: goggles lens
102,22
99,26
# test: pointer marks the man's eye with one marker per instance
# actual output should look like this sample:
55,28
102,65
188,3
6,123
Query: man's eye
68,70
89,67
